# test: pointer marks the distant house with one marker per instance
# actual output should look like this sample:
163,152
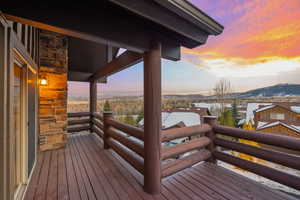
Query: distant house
251,107
180,117
212,107
279,118
284,115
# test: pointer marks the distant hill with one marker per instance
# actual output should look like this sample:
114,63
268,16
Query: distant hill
280,90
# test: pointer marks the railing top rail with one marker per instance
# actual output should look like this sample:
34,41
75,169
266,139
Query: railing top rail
171,134
288,142
79,114
128,129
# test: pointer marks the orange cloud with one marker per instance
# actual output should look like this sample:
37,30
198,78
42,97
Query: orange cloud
255,28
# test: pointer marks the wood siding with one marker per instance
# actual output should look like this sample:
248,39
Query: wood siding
281,130
14,45
290,117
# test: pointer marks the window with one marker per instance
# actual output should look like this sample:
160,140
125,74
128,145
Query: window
277,116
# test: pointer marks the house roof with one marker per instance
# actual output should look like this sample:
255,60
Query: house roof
261,124
295,109
268,125
264,108
250,109
170,119
188,118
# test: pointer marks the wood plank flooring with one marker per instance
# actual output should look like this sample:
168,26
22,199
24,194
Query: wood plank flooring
84,171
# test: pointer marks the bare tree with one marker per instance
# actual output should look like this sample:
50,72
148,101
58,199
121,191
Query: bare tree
221,90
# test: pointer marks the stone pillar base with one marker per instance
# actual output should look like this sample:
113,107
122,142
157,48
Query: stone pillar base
53,96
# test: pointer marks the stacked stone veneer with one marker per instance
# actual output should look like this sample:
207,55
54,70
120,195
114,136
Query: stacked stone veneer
53,97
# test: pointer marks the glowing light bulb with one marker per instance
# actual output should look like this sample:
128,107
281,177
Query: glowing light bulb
43,81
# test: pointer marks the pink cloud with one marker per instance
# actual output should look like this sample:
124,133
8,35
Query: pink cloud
254,28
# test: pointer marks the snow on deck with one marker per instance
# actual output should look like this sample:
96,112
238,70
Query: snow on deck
261,179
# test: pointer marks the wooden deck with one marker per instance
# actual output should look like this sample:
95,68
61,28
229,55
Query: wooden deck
84,171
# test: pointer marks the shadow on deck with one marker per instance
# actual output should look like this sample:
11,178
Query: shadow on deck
84,170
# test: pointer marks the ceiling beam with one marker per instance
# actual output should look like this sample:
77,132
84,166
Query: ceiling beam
127,59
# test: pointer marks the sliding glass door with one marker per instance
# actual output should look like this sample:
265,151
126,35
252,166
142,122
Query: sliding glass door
18,127
31,89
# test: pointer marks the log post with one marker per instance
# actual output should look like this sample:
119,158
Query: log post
106,126
211,120
93,101
152,119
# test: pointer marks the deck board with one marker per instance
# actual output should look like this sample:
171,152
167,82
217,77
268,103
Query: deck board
85,171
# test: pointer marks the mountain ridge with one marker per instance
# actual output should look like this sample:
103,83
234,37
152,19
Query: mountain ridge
279,90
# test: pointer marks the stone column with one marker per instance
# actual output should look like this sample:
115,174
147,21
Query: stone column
53,96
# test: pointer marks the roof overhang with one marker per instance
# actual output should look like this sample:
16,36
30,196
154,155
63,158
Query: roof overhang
128,24
193,14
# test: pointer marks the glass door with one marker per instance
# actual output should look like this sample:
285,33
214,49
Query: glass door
32,139
18,127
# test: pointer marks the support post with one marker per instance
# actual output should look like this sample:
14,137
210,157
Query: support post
152,119
106,126
93,101
211,120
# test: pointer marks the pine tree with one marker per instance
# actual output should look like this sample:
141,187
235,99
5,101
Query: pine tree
226,119
235,113
129,120
229,120
106,107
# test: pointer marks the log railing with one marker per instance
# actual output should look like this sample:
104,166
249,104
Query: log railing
97,124
125,140
279,157
128,142
78,122
196,148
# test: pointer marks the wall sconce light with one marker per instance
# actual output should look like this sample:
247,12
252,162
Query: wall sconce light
43,81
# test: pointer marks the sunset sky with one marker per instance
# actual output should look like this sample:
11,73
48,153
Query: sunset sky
260,46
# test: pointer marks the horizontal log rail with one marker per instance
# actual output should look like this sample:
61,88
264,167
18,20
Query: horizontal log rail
79,114
126,128
130,143
282,158
175,133
171,152
287,142
78,125
98,116
133,159
98,131
267,172
183,163
78,121
98,123
78,129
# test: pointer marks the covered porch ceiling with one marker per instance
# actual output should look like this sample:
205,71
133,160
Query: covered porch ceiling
97,30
